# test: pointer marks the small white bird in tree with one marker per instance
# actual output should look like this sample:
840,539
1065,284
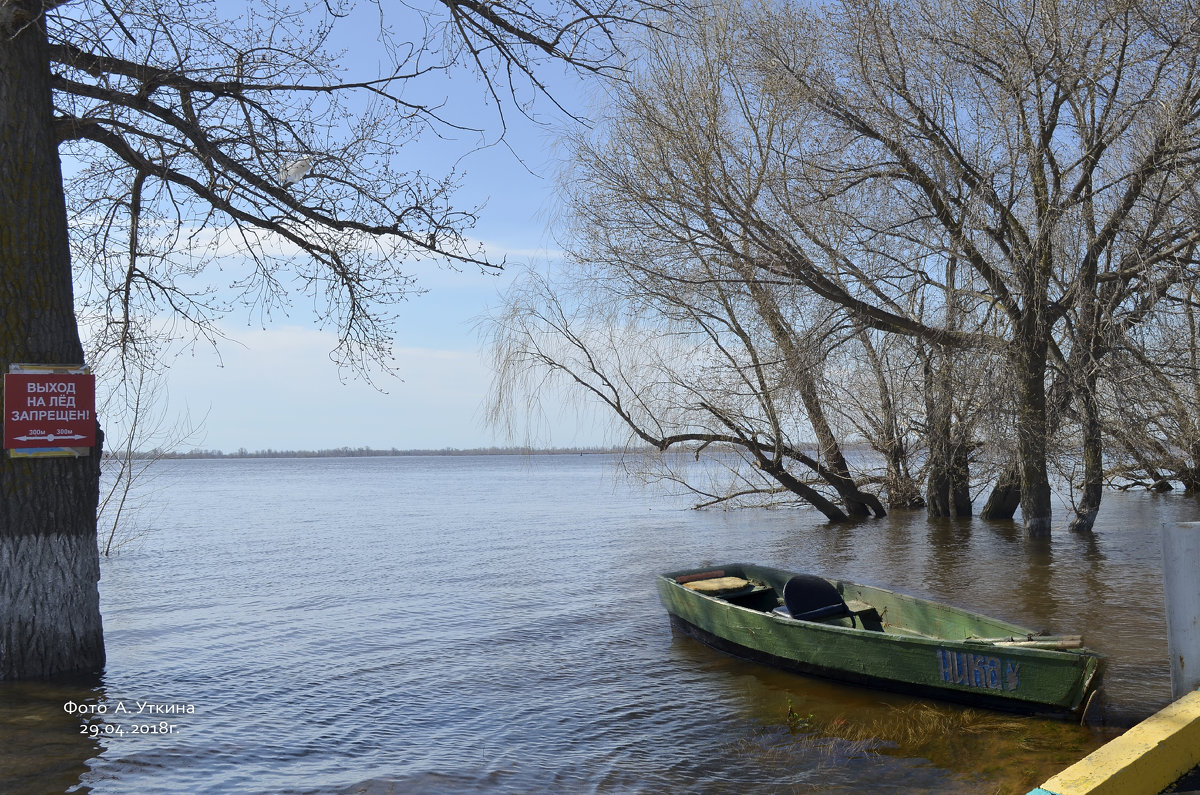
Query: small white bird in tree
294,171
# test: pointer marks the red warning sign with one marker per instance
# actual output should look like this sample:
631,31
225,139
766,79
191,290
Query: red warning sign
49,409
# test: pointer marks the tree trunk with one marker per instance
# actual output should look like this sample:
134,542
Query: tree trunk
902,491
1030,366
1093,463
1006,494
809,494
960,478
837,471
49,567
938,482
948,485
1086,376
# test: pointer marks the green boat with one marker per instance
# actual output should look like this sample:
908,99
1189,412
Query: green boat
875,637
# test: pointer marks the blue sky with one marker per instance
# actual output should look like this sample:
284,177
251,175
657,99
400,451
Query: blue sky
276,387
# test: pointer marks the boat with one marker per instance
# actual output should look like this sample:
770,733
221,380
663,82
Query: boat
879,638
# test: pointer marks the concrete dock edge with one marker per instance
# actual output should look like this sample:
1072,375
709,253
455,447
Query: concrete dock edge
1142,761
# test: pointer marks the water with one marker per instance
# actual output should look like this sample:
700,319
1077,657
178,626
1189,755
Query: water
489,624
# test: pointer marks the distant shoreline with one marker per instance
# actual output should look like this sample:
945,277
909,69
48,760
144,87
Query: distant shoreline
367,452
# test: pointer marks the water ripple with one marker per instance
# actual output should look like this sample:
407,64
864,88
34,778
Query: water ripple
377,626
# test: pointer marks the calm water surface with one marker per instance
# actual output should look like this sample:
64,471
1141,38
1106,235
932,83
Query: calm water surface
489,624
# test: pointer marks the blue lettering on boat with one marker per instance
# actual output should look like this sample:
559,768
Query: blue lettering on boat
978,670
1012,674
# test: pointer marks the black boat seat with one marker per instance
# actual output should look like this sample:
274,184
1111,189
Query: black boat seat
816,599
807,597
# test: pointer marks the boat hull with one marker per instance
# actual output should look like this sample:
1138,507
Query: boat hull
942,663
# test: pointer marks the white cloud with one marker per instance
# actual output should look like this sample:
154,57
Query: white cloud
278,389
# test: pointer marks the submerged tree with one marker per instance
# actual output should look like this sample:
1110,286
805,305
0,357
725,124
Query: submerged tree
1053,147
700,376
1150,399
1047,151
707,350
197,136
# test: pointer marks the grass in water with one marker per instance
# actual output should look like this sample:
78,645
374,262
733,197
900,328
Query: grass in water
915,725
1000,753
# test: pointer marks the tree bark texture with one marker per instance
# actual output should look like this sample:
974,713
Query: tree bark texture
1093,463
948,486
1086,375
1005,498
948,489
1029,365
49,567
858,503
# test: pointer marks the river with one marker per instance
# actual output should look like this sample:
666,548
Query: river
490,624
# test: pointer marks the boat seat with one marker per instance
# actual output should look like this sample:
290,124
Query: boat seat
861,614
809,598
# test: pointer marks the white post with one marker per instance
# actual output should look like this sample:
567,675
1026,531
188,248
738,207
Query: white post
1181,585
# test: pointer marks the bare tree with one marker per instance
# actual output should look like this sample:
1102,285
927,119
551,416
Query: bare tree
1150,400
741,370
1047,151
873,390
197,135
694,368
1052,145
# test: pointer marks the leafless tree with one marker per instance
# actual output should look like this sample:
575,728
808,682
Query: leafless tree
714,351
218,160
854,152
1052,145
693,369
874,389
243,144
1149,394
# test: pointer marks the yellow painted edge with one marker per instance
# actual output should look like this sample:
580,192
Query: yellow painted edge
1143,760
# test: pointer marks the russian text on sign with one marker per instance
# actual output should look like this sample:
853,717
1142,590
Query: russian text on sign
49,410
